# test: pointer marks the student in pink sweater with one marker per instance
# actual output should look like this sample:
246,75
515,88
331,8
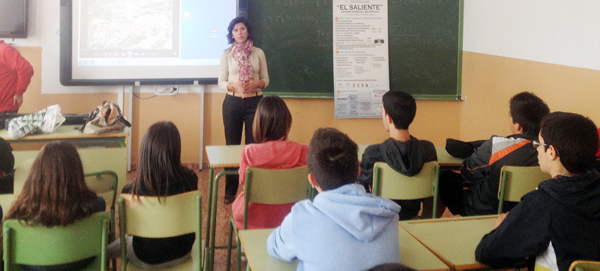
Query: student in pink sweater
272,123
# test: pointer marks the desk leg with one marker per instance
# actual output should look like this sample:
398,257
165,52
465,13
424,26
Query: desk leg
213,223
208,211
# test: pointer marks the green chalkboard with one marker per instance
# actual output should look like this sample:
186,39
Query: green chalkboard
425,46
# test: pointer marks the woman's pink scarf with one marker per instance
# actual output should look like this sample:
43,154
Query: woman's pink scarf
240,52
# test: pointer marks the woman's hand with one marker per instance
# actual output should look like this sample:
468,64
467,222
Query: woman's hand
253,84
236,87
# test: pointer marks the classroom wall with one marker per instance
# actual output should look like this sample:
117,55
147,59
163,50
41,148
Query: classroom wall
510,46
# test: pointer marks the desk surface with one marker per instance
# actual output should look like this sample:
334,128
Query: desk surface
447,160
229,156
453,240
412,253
62,132
255,247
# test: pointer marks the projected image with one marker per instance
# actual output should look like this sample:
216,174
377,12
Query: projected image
158,38
130,25
132,28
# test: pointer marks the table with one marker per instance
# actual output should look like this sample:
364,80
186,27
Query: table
447,160
452,240
97,152
412,253
221,156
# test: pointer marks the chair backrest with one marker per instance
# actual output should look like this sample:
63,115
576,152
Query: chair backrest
517,181
101,182
21,174
276,186
155,217
584,266
389,183
39,245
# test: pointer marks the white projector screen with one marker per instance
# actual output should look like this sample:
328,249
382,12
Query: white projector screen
120,42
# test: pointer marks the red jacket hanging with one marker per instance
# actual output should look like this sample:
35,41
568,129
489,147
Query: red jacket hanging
15,75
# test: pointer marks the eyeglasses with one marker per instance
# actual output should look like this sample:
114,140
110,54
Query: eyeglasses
537,144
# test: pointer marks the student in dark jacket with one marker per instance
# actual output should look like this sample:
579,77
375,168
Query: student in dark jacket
559,222
161,174
402,152
475,190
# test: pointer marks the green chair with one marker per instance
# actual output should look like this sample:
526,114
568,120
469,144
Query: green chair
105,183
154,217
584,266
516,181
39,245
390,184
269,186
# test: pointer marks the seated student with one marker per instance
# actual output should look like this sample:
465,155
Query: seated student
55,194
7,164
272,123
161,174
402,152
559,222
480,173
343,228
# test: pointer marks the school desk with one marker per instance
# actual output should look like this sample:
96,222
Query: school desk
221,156
452,240
97,152
412,253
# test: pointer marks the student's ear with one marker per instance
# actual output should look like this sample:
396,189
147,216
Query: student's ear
313,182
552,153
516,128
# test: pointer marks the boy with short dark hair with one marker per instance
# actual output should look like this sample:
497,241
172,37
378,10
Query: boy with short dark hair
559,222
475,190
343,228
401,151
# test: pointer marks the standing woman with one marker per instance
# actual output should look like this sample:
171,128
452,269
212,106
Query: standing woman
243,73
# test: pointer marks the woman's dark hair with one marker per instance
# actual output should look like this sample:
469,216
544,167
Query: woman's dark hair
160,160
574,137
232,24
272,120
55,193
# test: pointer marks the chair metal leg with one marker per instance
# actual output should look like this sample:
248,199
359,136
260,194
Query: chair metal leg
213,217
231,229
239,253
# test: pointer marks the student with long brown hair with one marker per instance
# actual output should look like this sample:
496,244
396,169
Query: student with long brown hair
160,173
55,194
272,123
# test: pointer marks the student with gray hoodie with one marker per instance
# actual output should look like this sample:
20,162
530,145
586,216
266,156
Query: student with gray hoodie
402,152
344,227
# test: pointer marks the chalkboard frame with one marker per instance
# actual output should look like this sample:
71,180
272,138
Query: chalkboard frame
453,94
